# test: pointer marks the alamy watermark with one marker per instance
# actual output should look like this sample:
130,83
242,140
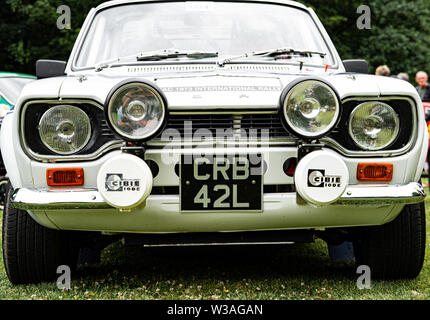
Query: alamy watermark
64,21
364,21
64,280
364,280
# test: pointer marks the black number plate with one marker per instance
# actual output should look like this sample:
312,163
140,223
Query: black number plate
221,183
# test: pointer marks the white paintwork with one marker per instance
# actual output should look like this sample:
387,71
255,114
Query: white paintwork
97,87
161,214
7,151
276,156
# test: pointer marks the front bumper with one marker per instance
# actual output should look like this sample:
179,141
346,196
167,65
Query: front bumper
85,210
361,195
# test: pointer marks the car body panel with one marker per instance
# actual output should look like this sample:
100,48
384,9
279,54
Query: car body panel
239,86
218,89
161,214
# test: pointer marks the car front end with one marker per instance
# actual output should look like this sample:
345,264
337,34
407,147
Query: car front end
193,143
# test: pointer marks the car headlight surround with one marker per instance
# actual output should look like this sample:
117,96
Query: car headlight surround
65,129
374,125
310,108
136,110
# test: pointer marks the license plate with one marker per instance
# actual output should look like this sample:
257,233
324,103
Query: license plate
221,183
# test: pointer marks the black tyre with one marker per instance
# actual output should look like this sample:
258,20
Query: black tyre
31,252
395,250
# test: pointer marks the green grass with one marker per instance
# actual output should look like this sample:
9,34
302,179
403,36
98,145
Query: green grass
275,272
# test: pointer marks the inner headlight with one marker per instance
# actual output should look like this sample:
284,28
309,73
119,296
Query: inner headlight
311,109
373,125
65,129
136,111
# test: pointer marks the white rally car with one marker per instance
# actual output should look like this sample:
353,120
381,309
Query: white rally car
194,122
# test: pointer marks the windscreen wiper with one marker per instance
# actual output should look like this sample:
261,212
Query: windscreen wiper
273,53
158,55
281,51
172,53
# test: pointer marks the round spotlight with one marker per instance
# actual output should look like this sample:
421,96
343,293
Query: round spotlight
310,109
136,111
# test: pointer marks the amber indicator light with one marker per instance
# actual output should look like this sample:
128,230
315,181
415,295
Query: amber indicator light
375,172
65,177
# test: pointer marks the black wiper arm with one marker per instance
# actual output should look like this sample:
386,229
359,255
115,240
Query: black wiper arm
156,56
171,54
281,51
272,53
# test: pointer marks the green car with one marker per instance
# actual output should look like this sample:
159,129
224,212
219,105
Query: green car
11,85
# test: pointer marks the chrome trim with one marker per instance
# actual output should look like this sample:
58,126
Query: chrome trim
225,108
228,112
291,142
331,143
70,199
27,199
110,146
383,194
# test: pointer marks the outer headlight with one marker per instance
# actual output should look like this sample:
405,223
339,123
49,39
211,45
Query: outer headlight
65,129
310,109
373,125
136,111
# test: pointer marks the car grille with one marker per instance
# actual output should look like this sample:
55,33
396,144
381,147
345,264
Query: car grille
105,130
204,126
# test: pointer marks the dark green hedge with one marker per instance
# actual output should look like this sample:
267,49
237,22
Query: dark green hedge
399,34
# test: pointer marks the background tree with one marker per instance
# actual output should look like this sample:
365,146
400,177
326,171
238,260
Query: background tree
28,31
399,34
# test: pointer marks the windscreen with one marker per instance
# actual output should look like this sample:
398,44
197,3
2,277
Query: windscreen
227,28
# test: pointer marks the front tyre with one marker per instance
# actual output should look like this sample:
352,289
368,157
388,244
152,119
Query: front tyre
395,250
31,252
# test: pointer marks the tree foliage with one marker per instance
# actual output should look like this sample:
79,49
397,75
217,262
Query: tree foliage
28,31
398,36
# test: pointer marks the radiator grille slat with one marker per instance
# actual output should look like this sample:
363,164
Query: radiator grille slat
266,125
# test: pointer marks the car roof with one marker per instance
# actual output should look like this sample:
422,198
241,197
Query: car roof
5,74
112,3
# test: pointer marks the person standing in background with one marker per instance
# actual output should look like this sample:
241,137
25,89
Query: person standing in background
423,87
403,76
383,71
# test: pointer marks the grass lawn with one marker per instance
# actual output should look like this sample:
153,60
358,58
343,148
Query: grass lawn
274,272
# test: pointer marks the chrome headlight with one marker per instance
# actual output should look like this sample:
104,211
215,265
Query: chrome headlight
373,125
310,109
65,129
136,111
